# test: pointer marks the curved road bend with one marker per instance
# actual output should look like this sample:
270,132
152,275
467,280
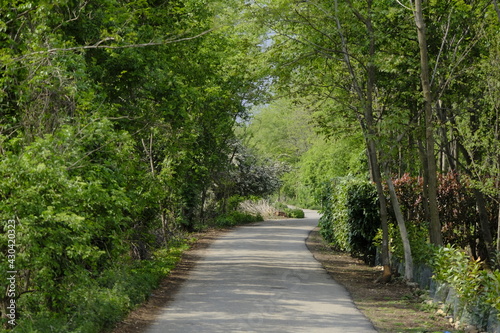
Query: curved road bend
262,278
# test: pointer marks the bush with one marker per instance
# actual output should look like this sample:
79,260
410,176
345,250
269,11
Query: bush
294,213
350,217
418,235
457,209
280,206
234,201
96,304
72,209
333,223
236,218
477,288
363,219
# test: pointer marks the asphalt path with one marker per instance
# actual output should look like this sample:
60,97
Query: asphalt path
262,278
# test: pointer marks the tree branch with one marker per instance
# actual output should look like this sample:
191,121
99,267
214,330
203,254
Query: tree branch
99,45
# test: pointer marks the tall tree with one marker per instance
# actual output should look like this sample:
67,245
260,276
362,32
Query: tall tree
430,167
349,78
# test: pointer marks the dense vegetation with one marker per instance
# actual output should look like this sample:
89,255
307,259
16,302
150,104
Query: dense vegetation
116,136
411,87
125,123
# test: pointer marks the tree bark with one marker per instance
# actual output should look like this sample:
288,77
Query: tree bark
377,178
484,224
498,231
425,172
368,123
402,230
435,225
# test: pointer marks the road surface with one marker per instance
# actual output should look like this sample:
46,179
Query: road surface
262,278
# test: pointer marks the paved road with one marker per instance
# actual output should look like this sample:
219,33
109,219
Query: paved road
262,278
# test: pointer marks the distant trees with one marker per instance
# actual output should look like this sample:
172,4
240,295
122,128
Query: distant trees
284,131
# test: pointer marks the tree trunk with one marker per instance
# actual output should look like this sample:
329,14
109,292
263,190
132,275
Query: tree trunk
370,125
484,224
435,225
365,95
448,159
402,230
377,178
425,172
498,231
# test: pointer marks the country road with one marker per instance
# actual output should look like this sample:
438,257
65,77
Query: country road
261,278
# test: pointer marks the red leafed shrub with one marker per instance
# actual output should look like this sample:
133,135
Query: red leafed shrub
456,202
457,210
409,191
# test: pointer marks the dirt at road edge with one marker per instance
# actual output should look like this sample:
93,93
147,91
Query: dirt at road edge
391,307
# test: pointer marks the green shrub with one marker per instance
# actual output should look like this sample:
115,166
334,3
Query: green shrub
350,216
334,220
234,201
477,287
236,218
294,213
363,219
96,304
421,249
280,206
72,209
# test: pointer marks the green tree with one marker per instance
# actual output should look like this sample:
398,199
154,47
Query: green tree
342,55
361,60
117,122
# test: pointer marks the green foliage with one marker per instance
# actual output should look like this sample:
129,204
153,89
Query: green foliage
418,236
363,219
94,305
284,131
477,288
295,213
113,139
233,202
333,223
69,224
290,212
350,217
376,51
325,160
280,206
234,218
